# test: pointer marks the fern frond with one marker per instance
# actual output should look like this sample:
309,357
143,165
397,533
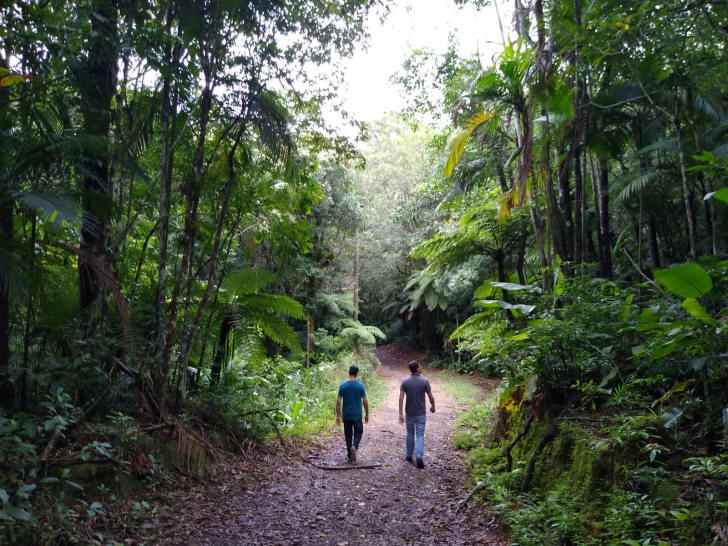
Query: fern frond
248,281
274,303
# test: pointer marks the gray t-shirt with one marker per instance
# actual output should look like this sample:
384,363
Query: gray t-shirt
415,386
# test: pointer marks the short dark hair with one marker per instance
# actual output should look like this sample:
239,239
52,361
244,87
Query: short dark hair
413,366
354,370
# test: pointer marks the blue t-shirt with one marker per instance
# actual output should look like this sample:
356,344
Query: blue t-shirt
351,393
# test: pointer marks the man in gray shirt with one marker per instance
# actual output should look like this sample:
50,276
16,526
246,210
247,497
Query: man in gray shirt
414,388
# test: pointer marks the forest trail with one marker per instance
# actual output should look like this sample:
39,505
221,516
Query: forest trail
299,504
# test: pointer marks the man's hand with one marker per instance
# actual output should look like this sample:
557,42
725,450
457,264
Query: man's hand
338,422
401,420
432,409
366,419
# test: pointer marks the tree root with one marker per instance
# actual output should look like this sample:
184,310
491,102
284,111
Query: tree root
515,440
548,437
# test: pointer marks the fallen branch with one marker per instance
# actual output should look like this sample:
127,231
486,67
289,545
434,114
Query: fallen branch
426,512
79,461
191,474
475,489
149,399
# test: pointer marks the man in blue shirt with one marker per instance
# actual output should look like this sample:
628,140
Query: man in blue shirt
414,389
353,394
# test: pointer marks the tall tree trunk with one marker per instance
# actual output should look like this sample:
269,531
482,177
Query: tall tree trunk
6,236
98,86
356,275
165,186
687,194
578,204
28,319
221,353
538,231
189,237
565,205
705,182
211,278
652,236
605,247
521,263
597,253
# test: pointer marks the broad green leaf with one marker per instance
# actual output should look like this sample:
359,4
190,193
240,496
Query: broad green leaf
698,363
686,280
513,287
4,497
720,195
531,387
17,512
677,387
458,143
520,307
23,490
648,317
692,306
558,279
611,375
296,410
670,417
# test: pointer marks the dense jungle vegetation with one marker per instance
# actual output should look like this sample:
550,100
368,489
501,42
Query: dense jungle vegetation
188,246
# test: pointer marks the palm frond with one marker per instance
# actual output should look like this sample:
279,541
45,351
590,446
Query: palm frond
50,207
636,181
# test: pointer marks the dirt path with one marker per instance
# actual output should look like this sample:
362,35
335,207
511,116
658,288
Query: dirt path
390,505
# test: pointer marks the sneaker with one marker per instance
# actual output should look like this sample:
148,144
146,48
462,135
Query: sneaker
408,459
420,464
352,454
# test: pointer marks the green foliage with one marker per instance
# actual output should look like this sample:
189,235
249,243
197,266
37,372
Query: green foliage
260,397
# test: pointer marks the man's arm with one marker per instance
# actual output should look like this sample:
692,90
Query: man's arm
432,402
366,409
401,415
338,410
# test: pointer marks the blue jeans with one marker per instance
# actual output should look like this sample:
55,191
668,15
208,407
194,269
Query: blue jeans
416,427
352,432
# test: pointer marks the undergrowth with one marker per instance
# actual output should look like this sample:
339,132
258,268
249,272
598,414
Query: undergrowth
595,484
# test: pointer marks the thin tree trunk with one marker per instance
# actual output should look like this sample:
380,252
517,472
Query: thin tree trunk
6,235
188,241
28,319
220,359
211,278
578,194
652,236
356,275
538,231
521,263
705,181
605,247
687,197
595,197
309,336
